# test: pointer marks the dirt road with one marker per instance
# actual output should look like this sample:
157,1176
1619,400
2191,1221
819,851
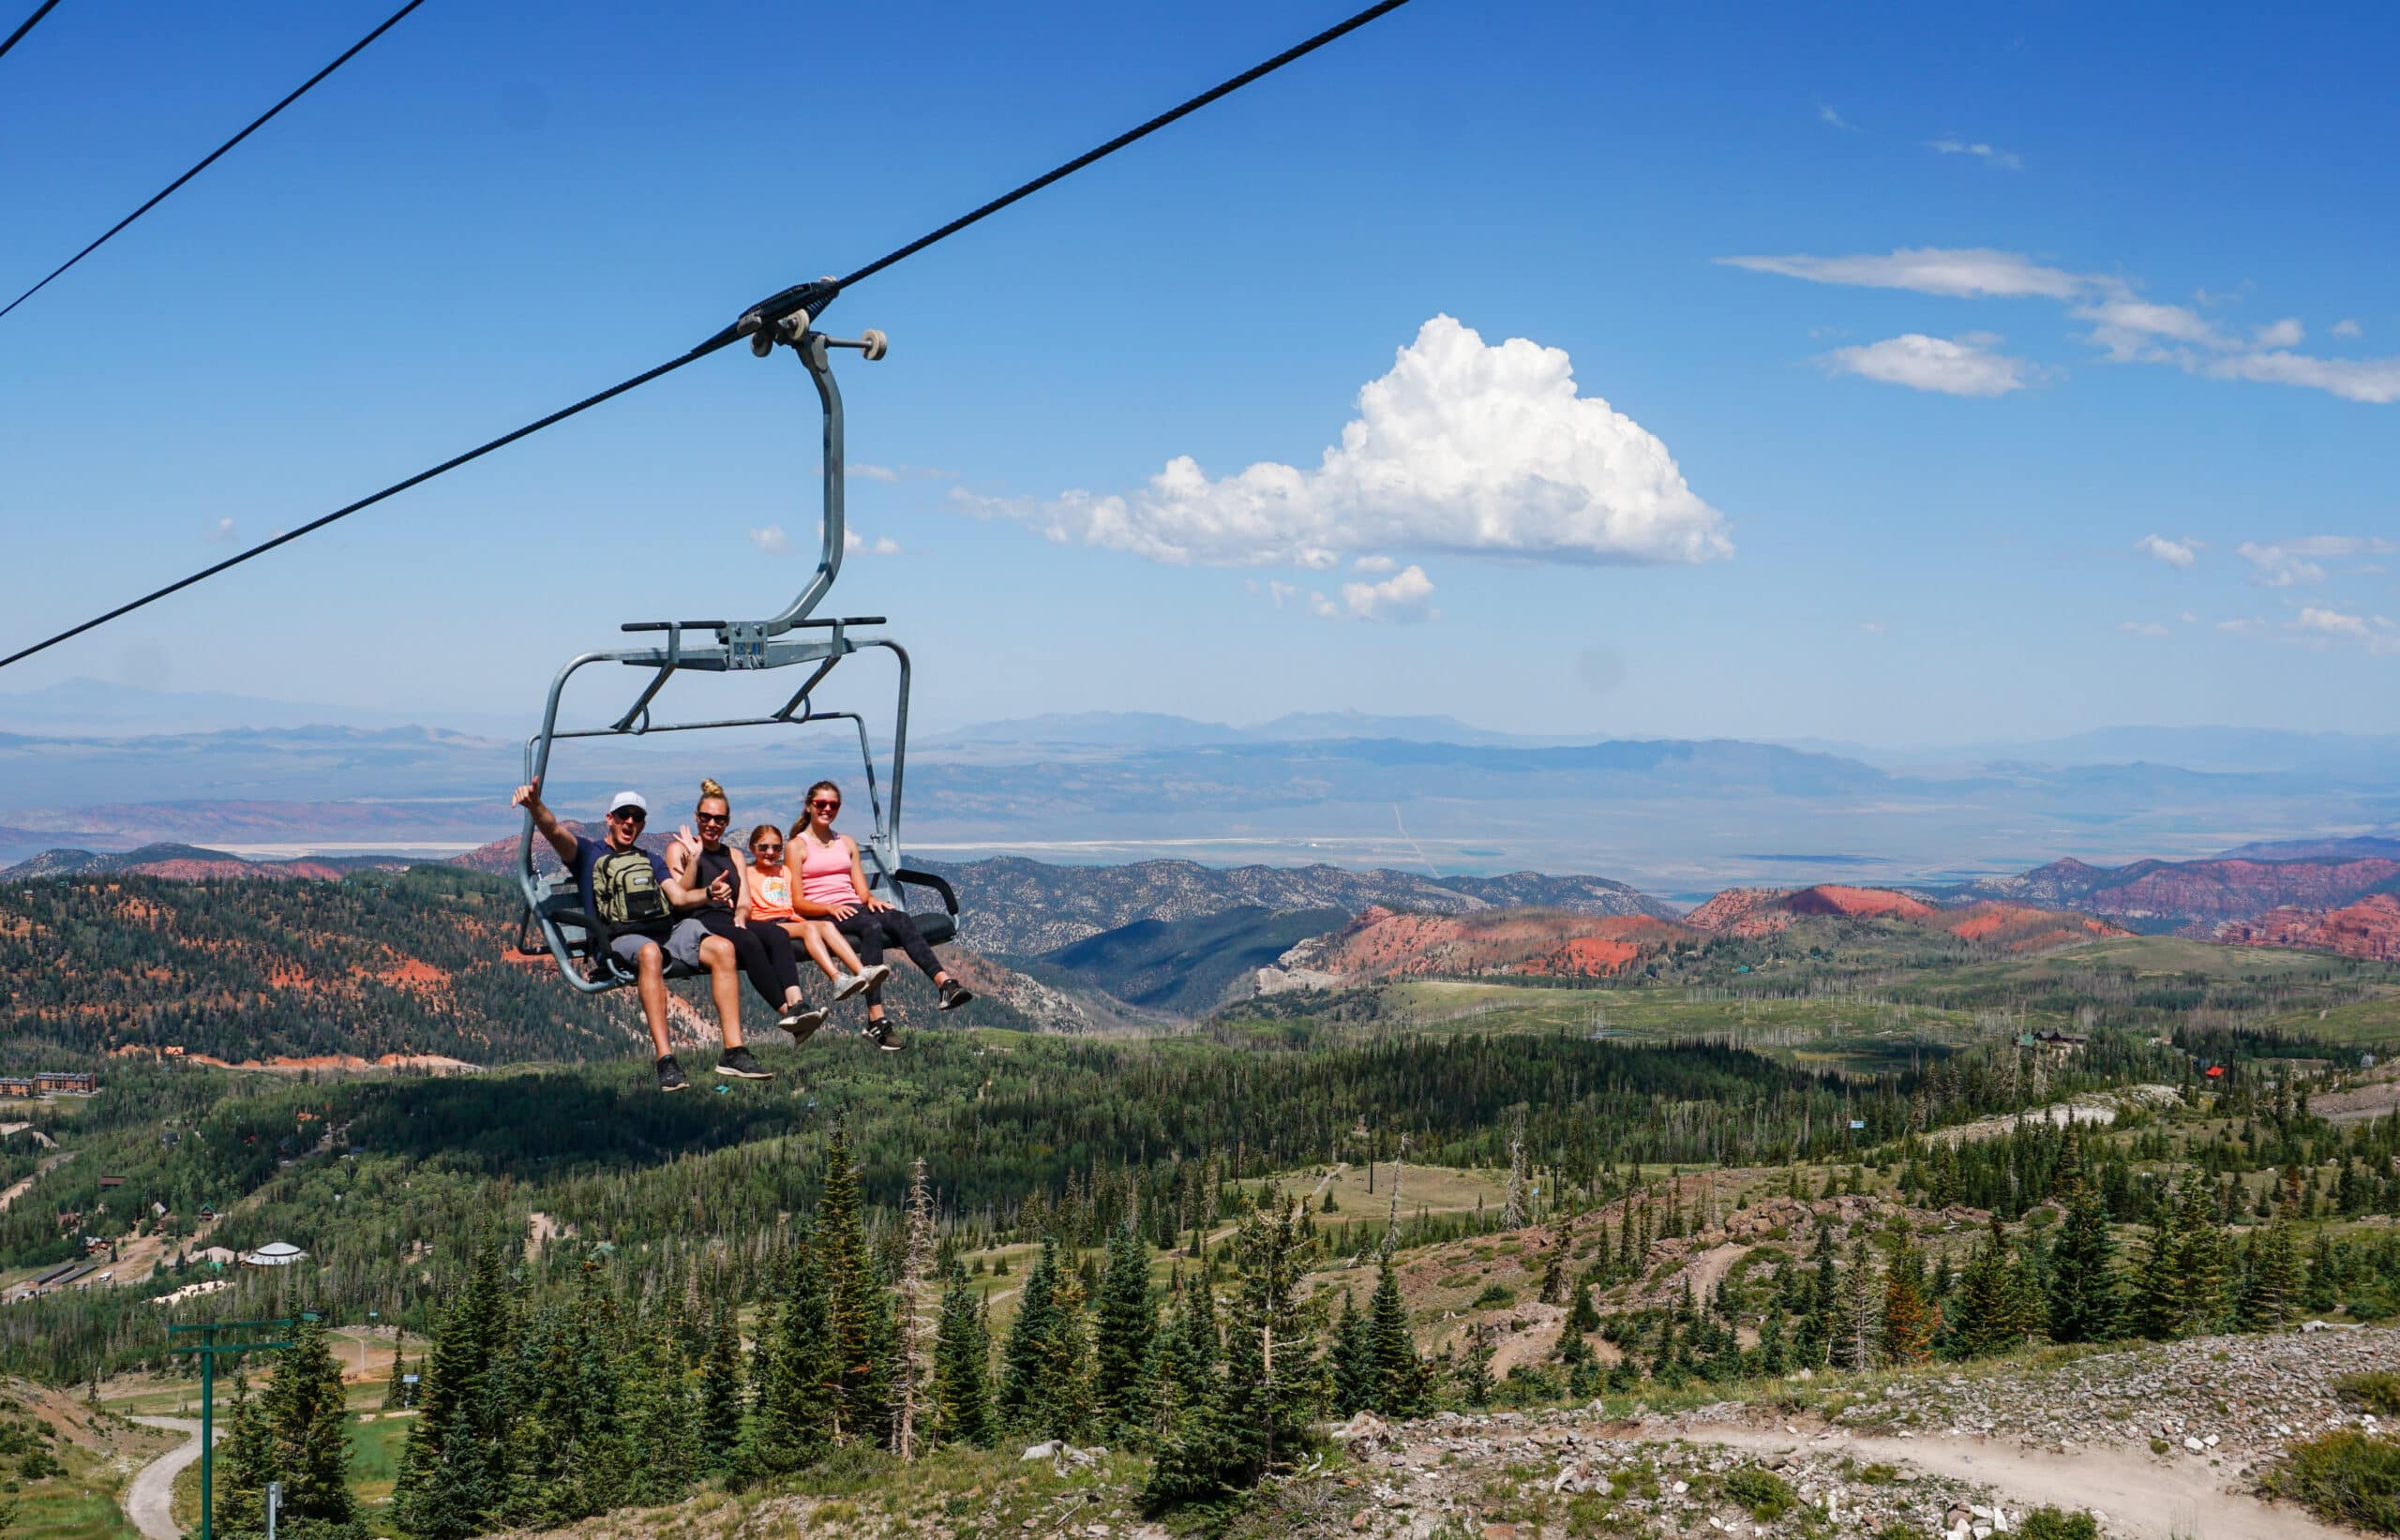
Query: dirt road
150,1499
40,1171
2140,1495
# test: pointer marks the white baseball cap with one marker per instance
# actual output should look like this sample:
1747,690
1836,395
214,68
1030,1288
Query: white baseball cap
625,800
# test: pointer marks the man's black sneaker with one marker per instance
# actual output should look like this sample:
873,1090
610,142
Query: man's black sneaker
954,995
737,1063
882,1034
670,1075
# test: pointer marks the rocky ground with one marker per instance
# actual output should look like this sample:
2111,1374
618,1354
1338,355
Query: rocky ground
2231,1403
2156,1441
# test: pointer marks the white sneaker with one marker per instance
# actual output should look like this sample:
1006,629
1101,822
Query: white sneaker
847,984
801,1024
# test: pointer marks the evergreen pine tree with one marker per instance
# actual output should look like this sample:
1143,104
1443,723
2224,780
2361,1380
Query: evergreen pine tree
1126,1320
2274,1284
2159,1285
1475,1369
859,1324
1024,1355
797,1390
1862,1309
720,1411
962,1369
2086,1296
1398,1377
453,1464
244,1464
1354,1360
310,1438
662,1426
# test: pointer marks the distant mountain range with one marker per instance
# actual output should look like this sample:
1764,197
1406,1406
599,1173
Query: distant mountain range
1679,818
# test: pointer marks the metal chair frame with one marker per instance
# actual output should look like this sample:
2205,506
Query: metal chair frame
554,905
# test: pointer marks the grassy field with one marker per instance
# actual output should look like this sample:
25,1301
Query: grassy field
80,1506
1860,1033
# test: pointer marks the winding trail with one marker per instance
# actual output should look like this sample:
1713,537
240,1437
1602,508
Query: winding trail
40,1171
150,1499
2140,1496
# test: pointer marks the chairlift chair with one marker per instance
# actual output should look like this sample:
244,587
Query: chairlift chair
555,920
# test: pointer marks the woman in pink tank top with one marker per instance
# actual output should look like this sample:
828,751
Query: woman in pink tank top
833,887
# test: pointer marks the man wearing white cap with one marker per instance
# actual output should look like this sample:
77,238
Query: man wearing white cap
633,900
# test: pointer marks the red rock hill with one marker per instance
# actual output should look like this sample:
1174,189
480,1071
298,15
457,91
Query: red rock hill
2369,928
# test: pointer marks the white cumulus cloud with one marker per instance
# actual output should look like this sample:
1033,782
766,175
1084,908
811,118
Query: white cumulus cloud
771,539
855,544
1964,366
2175,553
1406,595
1463,447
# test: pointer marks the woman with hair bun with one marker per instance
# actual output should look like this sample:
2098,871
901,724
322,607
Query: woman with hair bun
833,886
704,863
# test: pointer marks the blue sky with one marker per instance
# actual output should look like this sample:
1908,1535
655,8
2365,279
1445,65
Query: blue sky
1910,495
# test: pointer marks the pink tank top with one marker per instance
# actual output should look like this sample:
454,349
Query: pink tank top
825,875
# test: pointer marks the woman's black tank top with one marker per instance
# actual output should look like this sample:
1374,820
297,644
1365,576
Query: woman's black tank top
712,865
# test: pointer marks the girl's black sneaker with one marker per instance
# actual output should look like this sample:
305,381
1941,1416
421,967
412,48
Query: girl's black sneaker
882,1034
954,995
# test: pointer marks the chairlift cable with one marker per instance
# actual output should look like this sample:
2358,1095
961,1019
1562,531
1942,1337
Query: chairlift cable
19,35
803,298
256,123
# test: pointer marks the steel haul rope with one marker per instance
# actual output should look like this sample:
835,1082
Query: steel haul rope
762,317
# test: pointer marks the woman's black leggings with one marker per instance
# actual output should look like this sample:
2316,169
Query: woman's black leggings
764,953
870,930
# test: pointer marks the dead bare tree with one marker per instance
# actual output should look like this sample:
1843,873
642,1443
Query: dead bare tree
912,1274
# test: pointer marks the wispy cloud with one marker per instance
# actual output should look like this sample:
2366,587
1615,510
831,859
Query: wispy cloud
1833,119
2345,327
1962,366
220,533
2284,563
2128,328
1968,273
1990,155
2375,633
771,539
2143,628
2175,553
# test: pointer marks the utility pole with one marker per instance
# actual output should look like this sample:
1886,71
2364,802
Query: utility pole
209,1349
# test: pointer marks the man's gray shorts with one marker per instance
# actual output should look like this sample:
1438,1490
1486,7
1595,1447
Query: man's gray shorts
683,944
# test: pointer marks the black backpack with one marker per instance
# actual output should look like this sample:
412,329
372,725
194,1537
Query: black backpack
626,894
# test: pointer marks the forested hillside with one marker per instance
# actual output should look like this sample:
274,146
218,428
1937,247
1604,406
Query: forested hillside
419,961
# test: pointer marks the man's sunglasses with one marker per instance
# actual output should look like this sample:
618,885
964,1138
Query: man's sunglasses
631,815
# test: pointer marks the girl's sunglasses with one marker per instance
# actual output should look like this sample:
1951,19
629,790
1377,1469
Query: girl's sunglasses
765,849
822,806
